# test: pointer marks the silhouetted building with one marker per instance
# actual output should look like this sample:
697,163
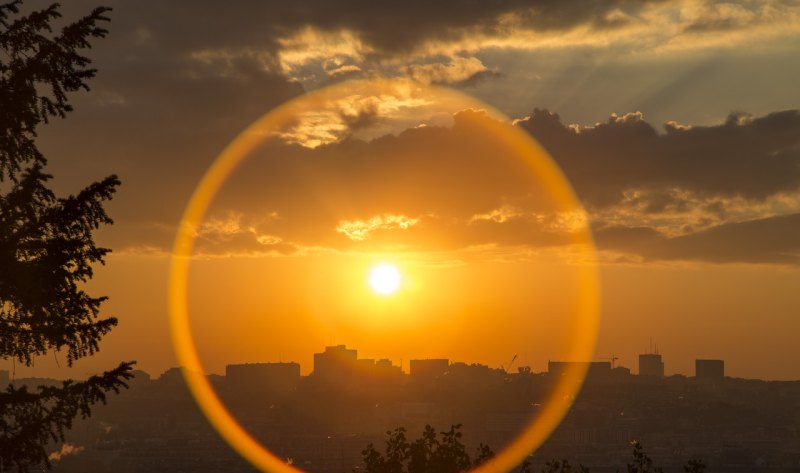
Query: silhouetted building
172,375
594,369
650,364
140,378
620,372
263,377
709,369
386,370
335,363
734,424
432,368
366,365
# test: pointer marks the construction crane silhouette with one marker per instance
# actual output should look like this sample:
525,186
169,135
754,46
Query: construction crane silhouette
613,358
510,364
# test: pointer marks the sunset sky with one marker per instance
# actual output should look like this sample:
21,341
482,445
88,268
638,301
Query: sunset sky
675,123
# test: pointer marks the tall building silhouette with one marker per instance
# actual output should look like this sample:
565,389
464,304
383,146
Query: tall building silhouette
428,369
650,364
264,377
336,363
709,369
385,368
594,369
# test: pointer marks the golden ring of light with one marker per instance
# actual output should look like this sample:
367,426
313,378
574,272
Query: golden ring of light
384,279
583,330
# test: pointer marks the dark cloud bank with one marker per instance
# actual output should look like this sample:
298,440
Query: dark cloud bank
385,26
745,160
156,104
469,195
749,157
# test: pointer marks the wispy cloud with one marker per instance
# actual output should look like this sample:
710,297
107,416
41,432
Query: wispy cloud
361,230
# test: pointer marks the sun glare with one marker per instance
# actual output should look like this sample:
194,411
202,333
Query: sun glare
384,279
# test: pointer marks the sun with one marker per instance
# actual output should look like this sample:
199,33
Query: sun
384,279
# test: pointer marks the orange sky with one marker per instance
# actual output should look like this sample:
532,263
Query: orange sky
679,137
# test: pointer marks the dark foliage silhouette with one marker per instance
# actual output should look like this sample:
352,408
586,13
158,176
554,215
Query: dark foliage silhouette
563,466
642,463
428,454
447,454
47,247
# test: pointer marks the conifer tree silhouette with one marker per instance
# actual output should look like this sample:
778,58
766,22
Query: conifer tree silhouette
47,247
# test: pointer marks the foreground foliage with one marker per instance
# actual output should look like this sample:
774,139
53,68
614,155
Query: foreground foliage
427,454
47,247
446,454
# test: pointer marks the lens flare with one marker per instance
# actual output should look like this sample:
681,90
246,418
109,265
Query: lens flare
309,121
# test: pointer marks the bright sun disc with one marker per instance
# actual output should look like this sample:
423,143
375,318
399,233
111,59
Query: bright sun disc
384,279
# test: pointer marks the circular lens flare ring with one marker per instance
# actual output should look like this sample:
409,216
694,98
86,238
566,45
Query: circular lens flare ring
584,327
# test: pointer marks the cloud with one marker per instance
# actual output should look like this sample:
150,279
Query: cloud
170,95
433,42
689,192
361,230
722,193
432,188
720,16
768,240
337,119
66,450
237,234
459,71
498,215
337,51
313,41
751,158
